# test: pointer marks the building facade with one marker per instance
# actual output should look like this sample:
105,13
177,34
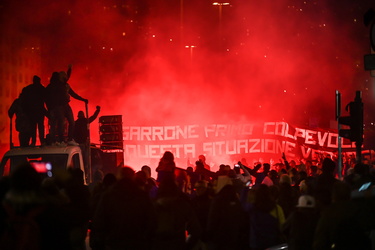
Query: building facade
20,60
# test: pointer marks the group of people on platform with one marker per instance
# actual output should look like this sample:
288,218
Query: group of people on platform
37,102
241,207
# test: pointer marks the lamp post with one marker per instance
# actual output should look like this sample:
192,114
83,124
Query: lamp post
220,5
191,47
181,21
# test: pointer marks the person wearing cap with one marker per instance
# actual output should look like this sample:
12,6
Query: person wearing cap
32,99
300,226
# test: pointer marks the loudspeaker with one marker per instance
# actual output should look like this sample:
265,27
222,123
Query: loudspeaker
111,137
110,119
110,131
110,128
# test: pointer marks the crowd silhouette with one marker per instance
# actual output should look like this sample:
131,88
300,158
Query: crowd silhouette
285,205
240,207
36,102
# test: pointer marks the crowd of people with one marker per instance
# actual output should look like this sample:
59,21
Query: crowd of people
241,207
299,206
36,102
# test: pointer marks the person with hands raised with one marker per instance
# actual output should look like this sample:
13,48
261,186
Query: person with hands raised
57,99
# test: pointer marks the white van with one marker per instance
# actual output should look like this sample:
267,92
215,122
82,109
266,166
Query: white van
46,159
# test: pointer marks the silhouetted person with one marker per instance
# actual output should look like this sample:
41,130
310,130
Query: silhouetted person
361,175
201,203
202,158
97,179
323,184
32,101
259,176
266,218
58,94
203,173
244,177
78,207
288,195
140,179
313,171
147,170
175,218
182,180
81,133
192,179
166,167
223,169
23,203
226,220
274,176
345,223
151,186
125,217
54,225
300,226
98,190
23,126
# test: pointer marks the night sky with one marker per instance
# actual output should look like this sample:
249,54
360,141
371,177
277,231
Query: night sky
159,62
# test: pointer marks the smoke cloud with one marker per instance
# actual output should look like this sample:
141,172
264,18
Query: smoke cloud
190,62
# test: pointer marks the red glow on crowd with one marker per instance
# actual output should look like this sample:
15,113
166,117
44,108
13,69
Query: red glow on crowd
190,62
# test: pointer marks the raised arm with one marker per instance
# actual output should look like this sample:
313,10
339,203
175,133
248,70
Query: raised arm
95,115
76,96
69,71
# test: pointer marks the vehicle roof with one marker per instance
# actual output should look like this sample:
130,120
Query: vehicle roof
42,150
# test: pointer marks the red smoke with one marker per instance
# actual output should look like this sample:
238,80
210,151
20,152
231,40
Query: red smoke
262,61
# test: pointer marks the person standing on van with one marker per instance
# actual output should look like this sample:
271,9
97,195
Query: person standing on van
58,98
32,101
22,123
81,133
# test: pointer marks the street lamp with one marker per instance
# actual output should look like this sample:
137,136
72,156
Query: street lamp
191,47
220,4
181,21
